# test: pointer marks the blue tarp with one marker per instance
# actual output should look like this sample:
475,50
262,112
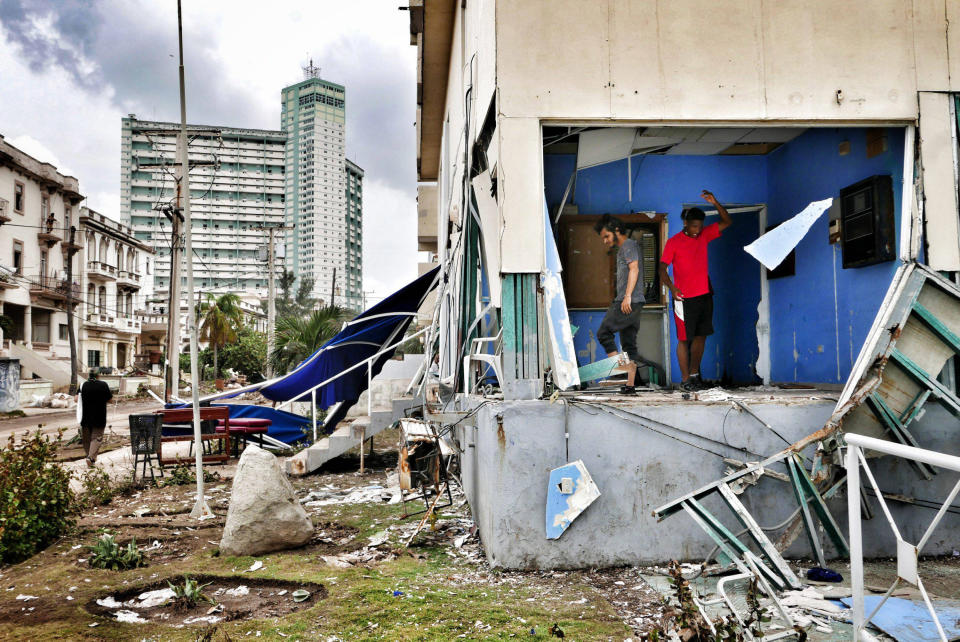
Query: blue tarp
363,337
909,619
287,427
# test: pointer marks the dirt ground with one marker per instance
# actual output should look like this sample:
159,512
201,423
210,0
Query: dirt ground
367,584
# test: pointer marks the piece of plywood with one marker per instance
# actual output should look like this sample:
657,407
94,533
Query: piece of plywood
520,185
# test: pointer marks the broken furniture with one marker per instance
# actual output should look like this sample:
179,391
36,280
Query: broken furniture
424,457
145,436
244,428
185,415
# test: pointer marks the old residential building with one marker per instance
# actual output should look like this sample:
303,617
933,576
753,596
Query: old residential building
38,205
116,279
536,118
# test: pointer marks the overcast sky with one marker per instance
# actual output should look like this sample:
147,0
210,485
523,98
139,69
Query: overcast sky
70,69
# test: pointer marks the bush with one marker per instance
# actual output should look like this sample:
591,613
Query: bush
110,555
37,501
183,475
99,489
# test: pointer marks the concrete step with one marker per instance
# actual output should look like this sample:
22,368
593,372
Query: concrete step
347,436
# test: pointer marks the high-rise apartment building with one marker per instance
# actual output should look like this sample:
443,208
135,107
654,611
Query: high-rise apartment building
323,191
236,186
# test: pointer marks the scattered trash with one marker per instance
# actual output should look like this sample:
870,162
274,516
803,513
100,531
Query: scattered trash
238,591
256,566
819,574
141,512
562,508
26,598
109,603
152,598
300,595
379,538
129,617
156,545
398,594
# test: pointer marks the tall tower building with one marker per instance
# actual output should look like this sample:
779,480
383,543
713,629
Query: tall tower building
239,189
323,190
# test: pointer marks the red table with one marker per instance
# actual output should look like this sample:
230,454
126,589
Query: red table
243,428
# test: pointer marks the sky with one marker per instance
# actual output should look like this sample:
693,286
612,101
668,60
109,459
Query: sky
71,69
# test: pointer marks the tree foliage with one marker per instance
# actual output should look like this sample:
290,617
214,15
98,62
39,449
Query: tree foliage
294,304
221,316
297,337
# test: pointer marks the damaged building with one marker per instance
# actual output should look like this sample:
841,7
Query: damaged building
535,119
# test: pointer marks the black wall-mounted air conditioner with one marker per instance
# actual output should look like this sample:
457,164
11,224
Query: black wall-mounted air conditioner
867,225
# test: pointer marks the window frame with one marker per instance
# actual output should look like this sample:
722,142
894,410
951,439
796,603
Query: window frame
23,197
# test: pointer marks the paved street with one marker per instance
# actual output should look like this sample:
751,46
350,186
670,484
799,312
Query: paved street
53,419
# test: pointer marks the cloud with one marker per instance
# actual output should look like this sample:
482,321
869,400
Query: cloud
72,68
33,147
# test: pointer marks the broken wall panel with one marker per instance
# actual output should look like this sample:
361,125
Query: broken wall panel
938,158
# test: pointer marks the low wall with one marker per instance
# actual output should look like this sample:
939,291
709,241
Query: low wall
31,387
513,445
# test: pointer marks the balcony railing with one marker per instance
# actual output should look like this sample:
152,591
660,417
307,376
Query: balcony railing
126,277
53,287
102,270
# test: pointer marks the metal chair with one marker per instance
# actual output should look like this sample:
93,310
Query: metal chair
145,433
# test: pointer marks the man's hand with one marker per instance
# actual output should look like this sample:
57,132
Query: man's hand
709,197
625,306
675,291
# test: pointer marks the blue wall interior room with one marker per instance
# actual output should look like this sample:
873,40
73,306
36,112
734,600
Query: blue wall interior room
820,315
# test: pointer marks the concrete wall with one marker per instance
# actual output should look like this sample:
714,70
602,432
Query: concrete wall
507,463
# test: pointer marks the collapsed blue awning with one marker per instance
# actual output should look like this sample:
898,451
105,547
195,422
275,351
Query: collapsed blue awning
367,334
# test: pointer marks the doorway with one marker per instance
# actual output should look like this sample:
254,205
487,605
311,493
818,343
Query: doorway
733,352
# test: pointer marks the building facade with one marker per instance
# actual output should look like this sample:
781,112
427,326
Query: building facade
534,119
323,192
116,279
38,206
236,188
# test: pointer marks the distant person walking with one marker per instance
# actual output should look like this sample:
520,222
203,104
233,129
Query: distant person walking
94,395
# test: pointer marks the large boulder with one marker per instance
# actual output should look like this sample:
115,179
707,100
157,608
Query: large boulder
264,513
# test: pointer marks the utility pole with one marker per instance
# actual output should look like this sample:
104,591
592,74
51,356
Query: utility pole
172,379
71,332
271,291
200,509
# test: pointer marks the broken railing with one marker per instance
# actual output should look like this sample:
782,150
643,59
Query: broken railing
907,553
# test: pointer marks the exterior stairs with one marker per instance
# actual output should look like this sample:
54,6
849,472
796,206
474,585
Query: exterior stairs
347,436
42,365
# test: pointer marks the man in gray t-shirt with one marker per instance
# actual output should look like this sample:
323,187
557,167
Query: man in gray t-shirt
623,315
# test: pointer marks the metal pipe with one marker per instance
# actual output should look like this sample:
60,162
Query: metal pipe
941,460
855,539
313,410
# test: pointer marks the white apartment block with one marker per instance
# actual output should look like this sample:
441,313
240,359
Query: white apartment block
325,241
116,279
38,205
236,187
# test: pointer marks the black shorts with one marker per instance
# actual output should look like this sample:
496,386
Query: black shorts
693,316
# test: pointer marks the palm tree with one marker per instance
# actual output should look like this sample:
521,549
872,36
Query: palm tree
221,318
297,337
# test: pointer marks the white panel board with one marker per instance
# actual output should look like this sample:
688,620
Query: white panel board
490,225
930,40
600,146
812,49
552,58
939,183
520,186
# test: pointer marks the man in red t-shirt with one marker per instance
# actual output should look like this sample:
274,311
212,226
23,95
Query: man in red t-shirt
691,289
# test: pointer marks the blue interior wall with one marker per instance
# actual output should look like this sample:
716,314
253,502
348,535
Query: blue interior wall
663,184
819,317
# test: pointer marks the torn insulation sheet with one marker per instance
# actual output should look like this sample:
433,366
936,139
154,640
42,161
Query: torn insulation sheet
774,246
569,492
563,356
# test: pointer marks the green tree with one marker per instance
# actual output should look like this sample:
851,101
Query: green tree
297,337
247,355
221,318
290,304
